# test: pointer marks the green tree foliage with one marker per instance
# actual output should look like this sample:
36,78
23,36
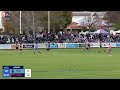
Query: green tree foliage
117,26
68,17
58,19
9,28
113,17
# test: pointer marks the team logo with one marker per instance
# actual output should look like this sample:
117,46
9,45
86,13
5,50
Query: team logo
6,70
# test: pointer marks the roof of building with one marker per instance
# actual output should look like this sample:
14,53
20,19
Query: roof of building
73,25
83,13
86,13
101,14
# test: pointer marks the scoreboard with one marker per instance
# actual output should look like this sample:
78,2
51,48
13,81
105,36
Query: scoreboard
15,71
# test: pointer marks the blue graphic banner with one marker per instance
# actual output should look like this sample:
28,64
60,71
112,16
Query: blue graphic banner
117,45
72,45
17,71
6,72
53,45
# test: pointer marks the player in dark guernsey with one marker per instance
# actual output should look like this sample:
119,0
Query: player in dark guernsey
100,46
100,40
20,47
88,46
17,46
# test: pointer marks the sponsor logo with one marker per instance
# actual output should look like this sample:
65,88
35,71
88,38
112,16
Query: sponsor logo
28,46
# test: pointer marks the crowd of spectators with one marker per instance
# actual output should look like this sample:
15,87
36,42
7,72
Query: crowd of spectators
60,37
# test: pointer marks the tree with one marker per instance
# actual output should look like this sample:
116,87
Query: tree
68,17
59,19
9,28
90,22
117,26
113,17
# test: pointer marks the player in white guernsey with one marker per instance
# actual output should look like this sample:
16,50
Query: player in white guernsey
109,49
36,49
47,44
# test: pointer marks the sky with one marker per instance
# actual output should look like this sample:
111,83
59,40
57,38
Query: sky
77,19
80,20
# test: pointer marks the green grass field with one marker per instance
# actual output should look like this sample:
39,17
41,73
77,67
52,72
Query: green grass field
66,63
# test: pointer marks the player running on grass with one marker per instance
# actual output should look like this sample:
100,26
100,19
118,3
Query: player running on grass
100,46
47,46
84,46
88,46
17,46
20,47
109,49
36,48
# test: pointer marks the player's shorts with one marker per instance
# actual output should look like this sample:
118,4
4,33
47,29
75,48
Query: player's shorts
109,50
83,47
17,48
87,48
47,48
100,46
36,49
20,48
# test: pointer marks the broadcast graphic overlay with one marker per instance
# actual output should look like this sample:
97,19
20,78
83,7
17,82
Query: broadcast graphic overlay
15,71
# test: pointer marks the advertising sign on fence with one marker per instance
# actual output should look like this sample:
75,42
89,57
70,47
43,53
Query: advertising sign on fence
107,44
94,44
41,45
82,45
28,46
53,45
58,45
5,46
72,45
13,46
61,45
117,44
103,44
